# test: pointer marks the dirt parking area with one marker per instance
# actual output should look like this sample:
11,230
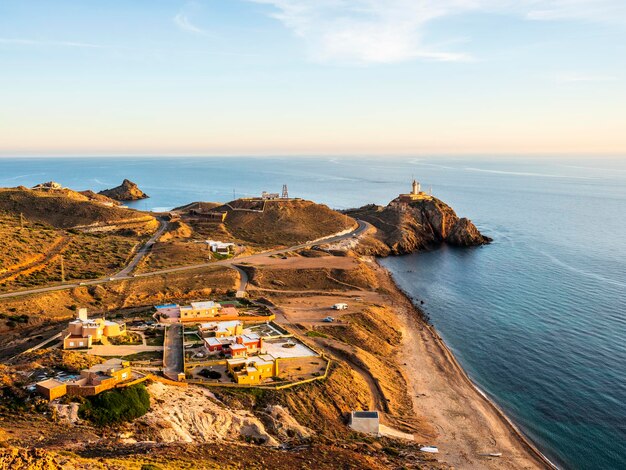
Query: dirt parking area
301,368
303,262
311,310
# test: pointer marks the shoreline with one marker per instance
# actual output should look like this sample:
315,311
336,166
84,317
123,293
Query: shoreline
418,315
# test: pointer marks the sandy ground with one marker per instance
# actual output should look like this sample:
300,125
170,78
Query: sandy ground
299,262
468,424
310,310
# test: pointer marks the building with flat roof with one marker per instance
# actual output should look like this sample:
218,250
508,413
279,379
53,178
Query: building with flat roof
199,310
51,389
415,195
252,370
235,346
83,331
96,379
221,329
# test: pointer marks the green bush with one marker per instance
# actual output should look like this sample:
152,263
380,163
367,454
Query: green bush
116,406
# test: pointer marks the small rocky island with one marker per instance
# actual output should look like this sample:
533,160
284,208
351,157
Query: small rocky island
127,191
416,221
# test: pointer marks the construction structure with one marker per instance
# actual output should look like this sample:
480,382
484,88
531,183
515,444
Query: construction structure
367,422
84,331
285,194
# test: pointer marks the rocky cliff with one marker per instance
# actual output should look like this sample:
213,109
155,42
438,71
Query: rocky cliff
422,224
127,191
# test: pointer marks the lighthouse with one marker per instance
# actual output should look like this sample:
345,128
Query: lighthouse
416,188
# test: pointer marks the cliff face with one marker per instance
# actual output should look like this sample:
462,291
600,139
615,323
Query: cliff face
418,225
127,191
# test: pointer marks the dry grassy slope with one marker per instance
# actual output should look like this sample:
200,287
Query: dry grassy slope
61,209
284,222
138,292
21,246
312,279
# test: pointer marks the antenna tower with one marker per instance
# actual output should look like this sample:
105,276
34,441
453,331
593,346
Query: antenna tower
285,192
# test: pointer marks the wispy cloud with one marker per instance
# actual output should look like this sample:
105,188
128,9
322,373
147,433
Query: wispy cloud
371,31
36,42
578,78
182,21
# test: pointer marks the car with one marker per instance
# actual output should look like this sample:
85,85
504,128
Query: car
82,283
328,320
341,306
111,279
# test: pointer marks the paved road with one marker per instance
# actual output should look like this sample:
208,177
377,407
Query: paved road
173,351
143,251
362,227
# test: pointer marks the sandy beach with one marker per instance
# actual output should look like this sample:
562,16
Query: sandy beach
469,424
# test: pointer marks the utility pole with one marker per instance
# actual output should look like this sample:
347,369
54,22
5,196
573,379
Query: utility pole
21,220
62,269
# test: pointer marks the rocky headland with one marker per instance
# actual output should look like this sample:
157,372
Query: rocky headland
127,191
407,227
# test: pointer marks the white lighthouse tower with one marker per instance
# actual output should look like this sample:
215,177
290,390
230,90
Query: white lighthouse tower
416,188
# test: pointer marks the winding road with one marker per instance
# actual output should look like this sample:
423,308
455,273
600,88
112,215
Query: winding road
125,274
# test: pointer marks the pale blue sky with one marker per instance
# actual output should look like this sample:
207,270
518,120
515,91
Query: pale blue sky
207,77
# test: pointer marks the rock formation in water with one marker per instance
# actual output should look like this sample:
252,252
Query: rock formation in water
127,191
406,227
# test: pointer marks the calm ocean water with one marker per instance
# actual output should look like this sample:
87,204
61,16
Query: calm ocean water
538,318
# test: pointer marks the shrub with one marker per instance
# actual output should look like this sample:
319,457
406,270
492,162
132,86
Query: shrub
116,406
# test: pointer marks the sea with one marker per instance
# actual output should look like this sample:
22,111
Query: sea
537,318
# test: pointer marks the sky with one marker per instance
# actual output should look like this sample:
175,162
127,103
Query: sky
313,77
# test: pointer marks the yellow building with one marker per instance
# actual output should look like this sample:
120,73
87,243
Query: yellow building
199,310
51,389
253,370
222,329
83,331
92,381
415,194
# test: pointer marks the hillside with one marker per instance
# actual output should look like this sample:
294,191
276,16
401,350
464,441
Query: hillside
68,209
418,225
273,222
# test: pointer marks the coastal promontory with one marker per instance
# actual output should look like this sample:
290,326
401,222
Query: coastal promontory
417,221
127,191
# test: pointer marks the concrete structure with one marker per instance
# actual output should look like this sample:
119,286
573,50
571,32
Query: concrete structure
51,389
252,370
269,196
222,329
196,312
367,422
235,346
208,214
415,194
92,381
83,331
